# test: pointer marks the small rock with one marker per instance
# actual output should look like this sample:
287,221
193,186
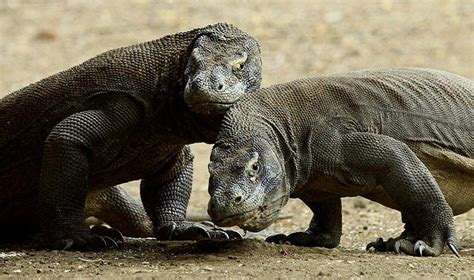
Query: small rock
39,270
17,271
146,263
207,268
46,35
232,257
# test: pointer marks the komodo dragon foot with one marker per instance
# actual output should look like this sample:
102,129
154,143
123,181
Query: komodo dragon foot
97,238
306,239
410,245
194,231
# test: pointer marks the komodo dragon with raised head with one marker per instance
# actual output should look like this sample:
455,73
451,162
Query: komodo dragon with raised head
123,115
400,137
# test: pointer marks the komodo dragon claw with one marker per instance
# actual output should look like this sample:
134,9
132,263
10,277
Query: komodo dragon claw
109,240
377,245
68,244
399,245
195,232
277,238
99,237
454,249
420,247
165,233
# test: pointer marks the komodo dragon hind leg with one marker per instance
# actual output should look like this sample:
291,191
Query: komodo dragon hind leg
408,182
324,229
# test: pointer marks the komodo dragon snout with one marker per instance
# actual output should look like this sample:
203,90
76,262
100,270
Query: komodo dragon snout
219,71
255,190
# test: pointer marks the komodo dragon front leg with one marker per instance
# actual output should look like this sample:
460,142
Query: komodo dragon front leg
324,230
165,196
64,184
387,162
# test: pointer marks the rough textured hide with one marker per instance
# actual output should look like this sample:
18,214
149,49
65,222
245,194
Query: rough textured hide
401,137
123,115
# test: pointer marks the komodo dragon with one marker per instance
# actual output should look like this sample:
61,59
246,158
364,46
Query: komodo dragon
400,137
123,115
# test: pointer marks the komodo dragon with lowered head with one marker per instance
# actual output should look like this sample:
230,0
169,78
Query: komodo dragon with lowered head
400,137
123,115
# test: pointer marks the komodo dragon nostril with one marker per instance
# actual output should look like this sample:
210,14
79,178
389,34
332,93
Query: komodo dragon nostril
220,87
238,199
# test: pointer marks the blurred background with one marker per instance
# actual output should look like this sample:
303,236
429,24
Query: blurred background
298,38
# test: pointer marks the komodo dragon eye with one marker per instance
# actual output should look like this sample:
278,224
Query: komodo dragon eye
256,167
253,166
239,63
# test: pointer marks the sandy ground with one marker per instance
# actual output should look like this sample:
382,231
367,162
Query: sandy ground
298,39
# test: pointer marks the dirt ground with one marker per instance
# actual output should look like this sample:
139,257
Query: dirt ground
298,39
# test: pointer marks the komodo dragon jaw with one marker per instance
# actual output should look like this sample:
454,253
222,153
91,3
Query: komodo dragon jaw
255,191
217,76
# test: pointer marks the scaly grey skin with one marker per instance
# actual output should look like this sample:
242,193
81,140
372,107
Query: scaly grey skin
400,137
123,115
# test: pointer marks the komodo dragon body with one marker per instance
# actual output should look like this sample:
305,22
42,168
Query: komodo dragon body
400,137
123,115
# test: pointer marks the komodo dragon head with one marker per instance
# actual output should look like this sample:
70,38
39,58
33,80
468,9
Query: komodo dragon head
247,184
223,65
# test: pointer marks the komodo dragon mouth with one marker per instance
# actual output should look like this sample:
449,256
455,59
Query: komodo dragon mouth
211,107
257,219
